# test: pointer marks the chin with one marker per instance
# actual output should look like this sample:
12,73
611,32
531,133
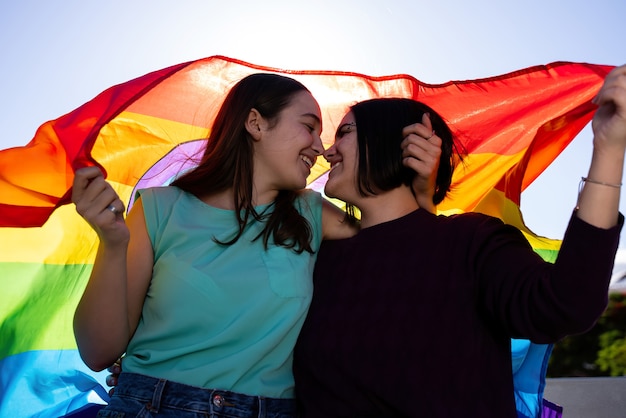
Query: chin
336,194
329,192
333,189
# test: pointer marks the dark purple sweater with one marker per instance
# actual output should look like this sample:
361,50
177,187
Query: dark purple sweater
414,317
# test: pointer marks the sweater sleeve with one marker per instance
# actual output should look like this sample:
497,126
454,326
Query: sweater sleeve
533,299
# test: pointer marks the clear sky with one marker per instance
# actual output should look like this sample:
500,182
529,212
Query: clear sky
56,55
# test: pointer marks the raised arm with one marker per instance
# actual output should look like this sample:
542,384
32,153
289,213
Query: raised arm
598,202
569,296
109,310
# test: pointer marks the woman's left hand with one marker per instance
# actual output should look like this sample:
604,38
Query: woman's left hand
421,151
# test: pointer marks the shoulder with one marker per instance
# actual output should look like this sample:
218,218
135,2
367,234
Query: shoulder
478,226
158,192
308,196
469,220
160,197
158,202
309,203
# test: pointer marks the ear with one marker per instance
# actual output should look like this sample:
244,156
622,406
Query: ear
253,124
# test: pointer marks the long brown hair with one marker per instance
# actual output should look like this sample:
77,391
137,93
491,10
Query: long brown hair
228,161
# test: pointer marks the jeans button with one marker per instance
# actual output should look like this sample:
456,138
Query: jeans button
218,400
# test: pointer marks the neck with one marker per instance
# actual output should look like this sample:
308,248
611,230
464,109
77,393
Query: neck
263,197
386,206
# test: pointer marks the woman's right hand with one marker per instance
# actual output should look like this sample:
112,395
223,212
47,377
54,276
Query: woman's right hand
100,206
111,380
609,121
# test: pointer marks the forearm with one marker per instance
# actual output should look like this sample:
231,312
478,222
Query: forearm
101,320
598,202
540,301
334,222
582,273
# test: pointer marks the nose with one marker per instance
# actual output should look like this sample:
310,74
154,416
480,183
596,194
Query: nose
317,145
330,153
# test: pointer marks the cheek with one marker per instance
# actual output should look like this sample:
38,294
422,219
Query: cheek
350,164
340,181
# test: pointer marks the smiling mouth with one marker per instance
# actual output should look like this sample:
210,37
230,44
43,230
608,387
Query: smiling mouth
307,161
333,166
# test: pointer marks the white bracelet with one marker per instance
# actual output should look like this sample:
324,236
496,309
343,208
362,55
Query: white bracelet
584,180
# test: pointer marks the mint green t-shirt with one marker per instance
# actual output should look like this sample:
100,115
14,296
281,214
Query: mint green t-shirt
216,316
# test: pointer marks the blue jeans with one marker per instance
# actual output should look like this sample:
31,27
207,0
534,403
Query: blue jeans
138,396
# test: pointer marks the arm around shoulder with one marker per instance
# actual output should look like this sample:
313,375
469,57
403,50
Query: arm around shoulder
335,225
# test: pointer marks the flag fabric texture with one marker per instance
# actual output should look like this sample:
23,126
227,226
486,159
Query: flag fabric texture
143,132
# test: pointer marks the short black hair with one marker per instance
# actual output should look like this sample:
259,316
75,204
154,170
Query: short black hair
379,134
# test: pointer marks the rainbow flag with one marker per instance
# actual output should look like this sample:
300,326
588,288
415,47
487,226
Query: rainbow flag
144,131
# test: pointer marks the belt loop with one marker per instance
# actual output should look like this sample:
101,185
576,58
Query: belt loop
211,404
156,396
262,406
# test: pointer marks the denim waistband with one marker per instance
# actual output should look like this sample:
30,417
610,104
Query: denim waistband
160,393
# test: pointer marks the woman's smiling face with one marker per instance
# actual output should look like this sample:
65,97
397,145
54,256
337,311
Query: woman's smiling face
289,147
343,157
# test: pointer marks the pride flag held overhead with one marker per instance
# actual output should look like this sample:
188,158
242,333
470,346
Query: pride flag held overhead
144,131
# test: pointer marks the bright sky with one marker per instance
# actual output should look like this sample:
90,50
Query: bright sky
57,55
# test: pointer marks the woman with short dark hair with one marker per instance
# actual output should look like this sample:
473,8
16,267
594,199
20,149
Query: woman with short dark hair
413,316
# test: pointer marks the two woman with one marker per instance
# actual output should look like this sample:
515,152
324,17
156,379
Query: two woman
205,285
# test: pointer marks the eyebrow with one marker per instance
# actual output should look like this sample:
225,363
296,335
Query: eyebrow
314,116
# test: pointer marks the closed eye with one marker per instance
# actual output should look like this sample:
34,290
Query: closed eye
345,129
312,122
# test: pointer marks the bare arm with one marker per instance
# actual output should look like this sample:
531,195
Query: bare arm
109,310
334,225
598,202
